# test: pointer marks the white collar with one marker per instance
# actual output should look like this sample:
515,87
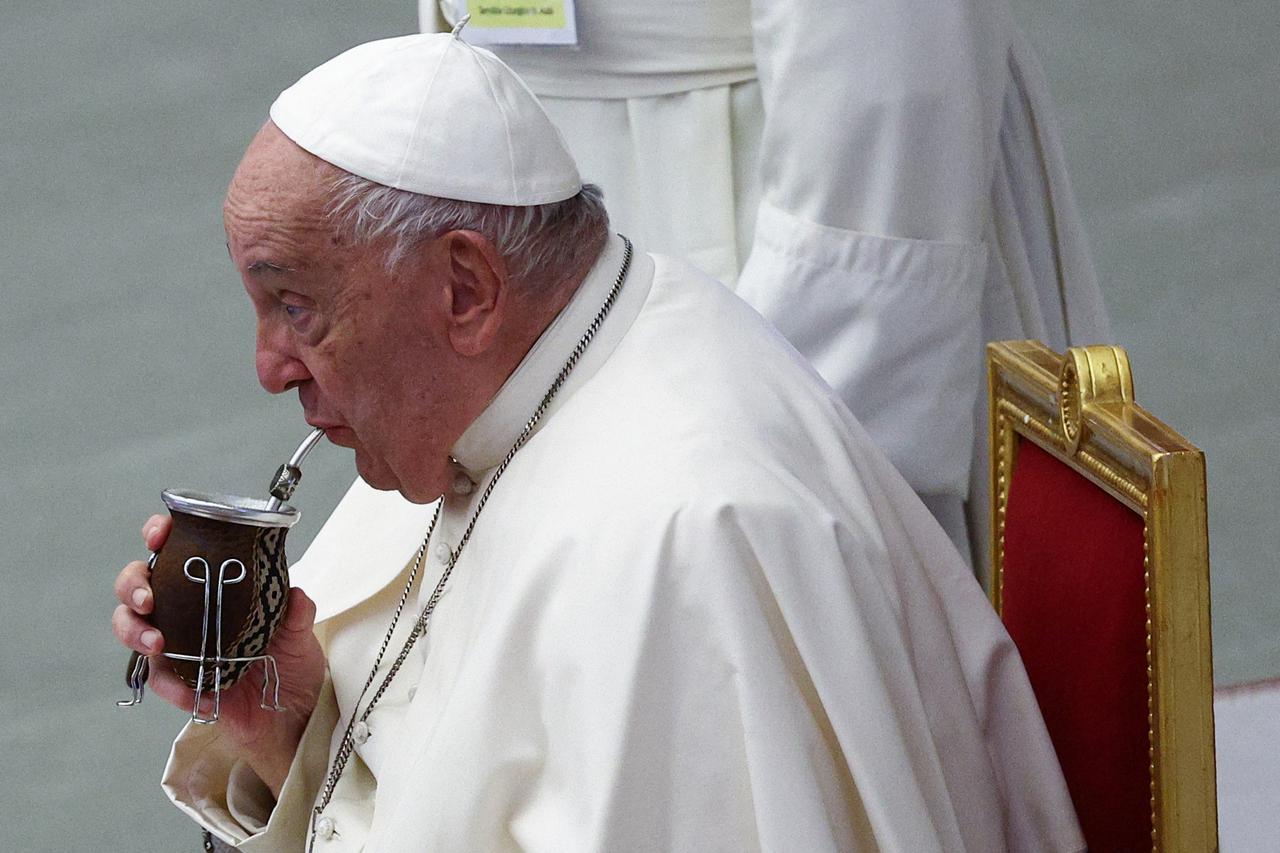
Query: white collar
484,444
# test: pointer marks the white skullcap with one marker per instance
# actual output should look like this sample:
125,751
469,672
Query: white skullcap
430,114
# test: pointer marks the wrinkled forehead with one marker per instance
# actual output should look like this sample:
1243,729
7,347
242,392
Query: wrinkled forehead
277,180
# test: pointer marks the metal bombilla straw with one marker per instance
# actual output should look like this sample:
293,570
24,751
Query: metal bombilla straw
289,474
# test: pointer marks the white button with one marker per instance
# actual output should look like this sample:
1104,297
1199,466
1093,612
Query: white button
443,552
326,828
462,485
360,732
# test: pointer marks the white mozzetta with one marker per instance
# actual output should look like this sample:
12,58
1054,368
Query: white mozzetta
700,612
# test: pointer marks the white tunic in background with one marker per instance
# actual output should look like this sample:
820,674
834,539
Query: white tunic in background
700,612
882,179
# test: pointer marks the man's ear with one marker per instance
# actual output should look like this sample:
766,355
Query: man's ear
477,292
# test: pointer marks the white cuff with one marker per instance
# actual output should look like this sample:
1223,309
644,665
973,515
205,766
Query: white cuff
222,794
249,800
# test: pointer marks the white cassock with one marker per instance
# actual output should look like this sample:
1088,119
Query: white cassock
882,179
700,612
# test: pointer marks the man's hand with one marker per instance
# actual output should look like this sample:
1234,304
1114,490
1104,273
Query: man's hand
267,740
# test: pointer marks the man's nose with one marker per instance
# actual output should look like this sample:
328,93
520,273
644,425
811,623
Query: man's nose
279,367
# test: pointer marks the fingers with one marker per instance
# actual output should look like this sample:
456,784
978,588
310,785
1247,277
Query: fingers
133,584
166,684
134,632
156,530
133,587
170,687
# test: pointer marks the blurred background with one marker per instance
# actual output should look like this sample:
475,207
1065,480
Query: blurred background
126,342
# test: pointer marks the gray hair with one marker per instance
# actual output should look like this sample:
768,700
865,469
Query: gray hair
541,244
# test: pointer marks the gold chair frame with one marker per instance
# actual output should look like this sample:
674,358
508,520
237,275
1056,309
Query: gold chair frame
1080,408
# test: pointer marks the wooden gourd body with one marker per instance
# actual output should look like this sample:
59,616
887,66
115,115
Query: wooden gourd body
251,609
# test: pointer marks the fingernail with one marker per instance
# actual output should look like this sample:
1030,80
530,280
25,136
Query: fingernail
139,597
150,637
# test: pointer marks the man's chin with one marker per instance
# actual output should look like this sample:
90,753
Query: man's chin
384,481
378,476
391,485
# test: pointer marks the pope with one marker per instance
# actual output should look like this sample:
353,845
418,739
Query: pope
620,572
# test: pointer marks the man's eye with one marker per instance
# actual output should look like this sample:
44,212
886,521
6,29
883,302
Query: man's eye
299,317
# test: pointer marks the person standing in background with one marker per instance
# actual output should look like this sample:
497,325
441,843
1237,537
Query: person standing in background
882,180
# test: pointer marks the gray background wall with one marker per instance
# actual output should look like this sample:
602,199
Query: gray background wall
126,343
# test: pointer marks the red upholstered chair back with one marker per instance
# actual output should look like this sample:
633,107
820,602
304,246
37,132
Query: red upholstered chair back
1074,604
1100,573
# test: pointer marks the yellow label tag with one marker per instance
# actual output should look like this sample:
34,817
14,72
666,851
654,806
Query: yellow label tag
521,22
534,14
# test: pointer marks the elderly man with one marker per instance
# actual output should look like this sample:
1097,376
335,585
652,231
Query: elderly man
620,573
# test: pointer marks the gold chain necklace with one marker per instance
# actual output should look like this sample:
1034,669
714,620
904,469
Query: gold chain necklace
347,745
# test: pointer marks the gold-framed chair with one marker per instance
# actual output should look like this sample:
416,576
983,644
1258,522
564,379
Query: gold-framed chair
1100,572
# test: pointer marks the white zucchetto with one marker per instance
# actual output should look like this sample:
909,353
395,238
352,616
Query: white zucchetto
430,114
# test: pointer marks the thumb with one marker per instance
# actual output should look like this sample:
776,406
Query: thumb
300,613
